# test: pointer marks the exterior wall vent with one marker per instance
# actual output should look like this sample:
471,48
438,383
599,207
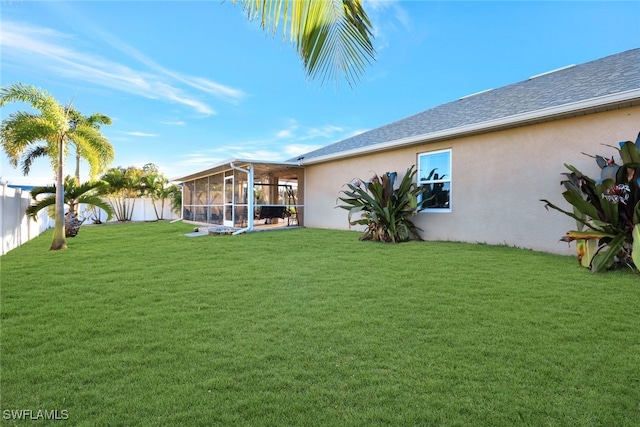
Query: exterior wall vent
552,71
474,94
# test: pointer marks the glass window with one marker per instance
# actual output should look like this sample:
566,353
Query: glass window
434,177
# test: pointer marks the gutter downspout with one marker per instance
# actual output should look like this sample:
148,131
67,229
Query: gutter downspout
250,206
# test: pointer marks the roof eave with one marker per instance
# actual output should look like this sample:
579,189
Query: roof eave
221,166
592,105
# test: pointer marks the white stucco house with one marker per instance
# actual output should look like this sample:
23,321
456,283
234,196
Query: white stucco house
500,152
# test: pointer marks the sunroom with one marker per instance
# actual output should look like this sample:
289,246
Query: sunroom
245,195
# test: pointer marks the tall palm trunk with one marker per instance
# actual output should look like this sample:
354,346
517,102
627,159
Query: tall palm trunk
73,207
77,176
59,241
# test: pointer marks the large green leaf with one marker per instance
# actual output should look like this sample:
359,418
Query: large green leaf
636,213
606,257
579,218
635,254
586,250
629,153
581,204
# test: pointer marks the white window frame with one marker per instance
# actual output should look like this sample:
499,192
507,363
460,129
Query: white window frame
447,180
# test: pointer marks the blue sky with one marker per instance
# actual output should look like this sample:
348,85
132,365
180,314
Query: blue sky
189,84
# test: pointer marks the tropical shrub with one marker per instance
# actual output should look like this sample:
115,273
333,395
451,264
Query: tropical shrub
385,211
124,187
607,210
74,195
157,187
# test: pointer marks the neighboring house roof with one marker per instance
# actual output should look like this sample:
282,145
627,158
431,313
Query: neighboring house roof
607,83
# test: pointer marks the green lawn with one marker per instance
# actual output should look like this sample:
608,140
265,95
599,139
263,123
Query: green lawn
136,324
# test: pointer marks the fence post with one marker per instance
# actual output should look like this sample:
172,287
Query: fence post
3,214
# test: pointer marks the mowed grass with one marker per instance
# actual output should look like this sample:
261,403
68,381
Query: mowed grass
136,324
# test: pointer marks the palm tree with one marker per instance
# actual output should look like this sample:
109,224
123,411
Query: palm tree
333,37
124,186
98,152
74,194
156,186
21,132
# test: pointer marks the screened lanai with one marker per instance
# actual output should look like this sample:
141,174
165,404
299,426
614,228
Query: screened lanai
245,194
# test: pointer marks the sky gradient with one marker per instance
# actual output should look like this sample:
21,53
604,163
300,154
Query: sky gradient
189,84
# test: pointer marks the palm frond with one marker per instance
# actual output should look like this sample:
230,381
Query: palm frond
20,130
39,99
31,154
93,200
333,37
92,146
46,189
38,205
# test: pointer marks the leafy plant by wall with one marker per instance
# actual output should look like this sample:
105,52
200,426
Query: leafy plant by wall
384,210
607,210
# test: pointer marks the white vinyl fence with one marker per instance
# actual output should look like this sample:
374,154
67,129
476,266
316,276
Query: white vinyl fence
142,211
18,228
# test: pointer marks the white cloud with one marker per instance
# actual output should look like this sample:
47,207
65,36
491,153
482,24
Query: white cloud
285,133
384,14
303,133
142,134
326,131
52,51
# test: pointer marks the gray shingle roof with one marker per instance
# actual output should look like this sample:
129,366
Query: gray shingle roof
606,76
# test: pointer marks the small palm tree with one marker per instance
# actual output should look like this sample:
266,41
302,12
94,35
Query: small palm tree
333,37
85,193
124,186
155,185
52,124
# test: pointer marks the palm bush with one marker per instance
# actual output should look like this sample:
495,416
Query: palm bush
607,210
158,188
74,195
124,187
385,211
